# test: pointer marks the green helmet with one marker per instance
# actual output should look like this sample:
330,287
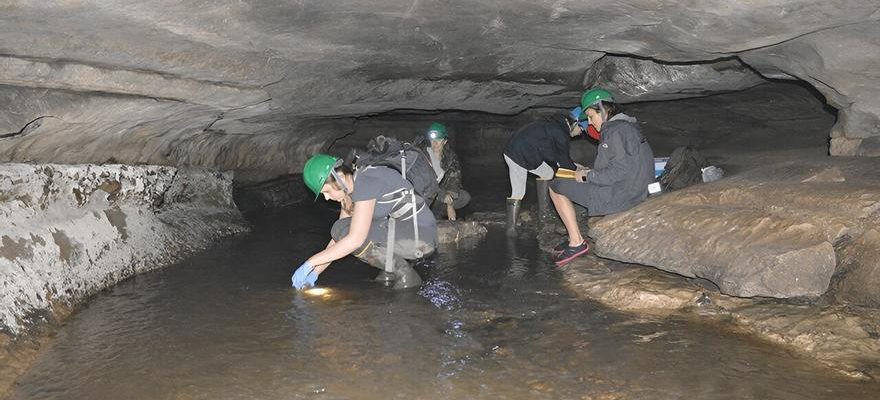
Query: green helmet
437,131
317,169
592,97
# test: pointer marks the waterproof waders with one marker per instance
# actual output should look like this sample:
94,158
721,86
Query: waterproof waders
402,274
512,213
543,189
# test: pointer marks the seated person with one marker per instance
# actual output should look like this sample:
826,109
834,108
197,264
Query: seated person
619,177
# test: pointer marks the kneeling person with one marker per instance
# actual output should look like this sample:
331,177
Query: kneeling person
371,198
445,162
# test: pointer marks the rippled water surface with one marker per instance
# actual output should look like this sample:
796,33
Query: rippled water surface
493,320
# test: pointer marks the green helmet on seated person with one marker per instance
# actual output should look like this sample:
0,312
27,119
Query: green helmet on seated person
437,131
592,97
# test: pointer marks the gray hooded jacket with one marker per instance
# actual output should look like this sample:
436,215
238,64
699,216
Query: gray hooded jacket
623,169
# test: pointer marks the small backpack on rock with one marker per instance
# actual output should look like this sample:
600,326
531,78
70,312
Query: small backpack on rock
684,168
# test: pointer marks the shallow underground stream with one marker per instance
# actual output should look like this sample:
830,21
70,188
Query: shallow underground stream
494,319
486,324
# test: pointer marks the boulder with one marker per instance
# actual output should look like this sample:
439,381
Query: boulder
776,231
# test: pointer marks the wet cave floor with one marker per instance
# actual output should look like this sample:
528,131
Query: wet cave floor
494,319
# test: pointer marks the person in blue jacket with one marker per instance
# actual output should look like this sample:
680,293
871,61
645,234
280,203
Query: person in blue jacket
618,179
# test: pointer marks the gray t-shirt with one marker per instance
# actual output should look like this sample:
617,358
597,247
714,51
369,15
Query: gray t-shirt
388,187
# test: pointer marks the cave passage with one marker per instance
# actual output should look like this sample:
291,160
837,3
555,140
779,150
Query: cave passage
494,318
140,135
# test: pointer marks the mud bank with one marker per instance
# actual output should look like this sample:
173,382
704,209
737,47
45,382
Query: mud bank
69,231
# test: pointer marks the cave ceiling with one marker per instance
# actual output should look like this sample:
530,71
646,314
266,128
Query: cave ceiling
239,84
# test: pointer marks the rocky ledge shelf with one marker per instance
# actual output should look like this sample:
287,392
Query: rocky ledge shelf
787,249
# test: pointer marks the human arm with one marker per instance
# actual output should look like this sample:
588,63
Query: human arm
361,219
452,176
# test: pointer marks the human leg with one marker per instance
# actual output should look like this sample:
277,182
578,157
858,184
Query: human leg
565,209
543,187
403,275
461,198
576,246
375,252
518,177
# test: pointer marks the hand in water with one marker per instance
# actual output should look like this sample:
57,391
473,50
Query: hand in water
304,277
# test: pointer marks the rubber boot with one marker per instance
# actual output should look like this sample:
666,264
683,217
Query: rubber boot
543,188
512,214
407,277
403,276
385,277
375,257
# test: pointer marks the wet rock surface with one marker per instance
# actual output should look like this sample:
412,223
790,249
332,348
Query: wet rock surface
72,230
769,231
455,231
841,335
802,199
844,337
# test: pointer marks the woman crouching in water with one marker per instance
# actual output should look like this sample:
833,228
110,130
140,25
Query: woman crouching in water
370,198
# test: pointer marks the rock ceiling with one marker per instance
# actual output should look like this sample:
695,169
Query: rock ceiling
244,84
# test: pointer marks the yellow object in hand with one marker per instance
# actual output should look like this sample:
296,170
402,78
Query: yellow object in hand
565,173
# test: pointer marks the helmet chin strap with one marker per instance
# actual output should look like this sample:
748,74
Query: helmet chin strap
338,179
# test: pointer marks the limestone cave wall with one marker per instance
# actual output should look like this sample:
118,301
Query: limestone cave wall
69,231
258,85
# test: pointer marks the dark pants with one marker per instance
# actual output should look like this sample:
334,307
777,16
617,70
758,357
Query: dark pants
439,206
577,192
405,247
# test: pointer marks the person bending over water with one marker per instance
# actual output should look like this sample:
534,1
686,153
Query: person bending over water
372,199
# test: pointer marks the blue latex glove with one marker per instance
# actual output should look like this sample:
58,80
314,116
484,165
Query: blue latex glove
304,277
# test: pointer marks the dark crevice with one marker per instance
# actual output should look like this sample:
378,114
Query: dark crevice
350,132
27,128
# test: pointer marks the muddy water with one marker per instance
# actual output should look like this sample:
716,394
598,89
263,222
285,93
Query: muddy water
491,321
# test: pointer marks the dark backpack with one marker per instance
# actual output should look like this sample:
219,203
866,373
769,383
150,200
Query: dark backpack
684,168
387,152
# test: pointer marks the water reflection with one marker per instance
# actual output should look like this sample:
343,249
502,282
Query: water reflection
518,266
492,320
